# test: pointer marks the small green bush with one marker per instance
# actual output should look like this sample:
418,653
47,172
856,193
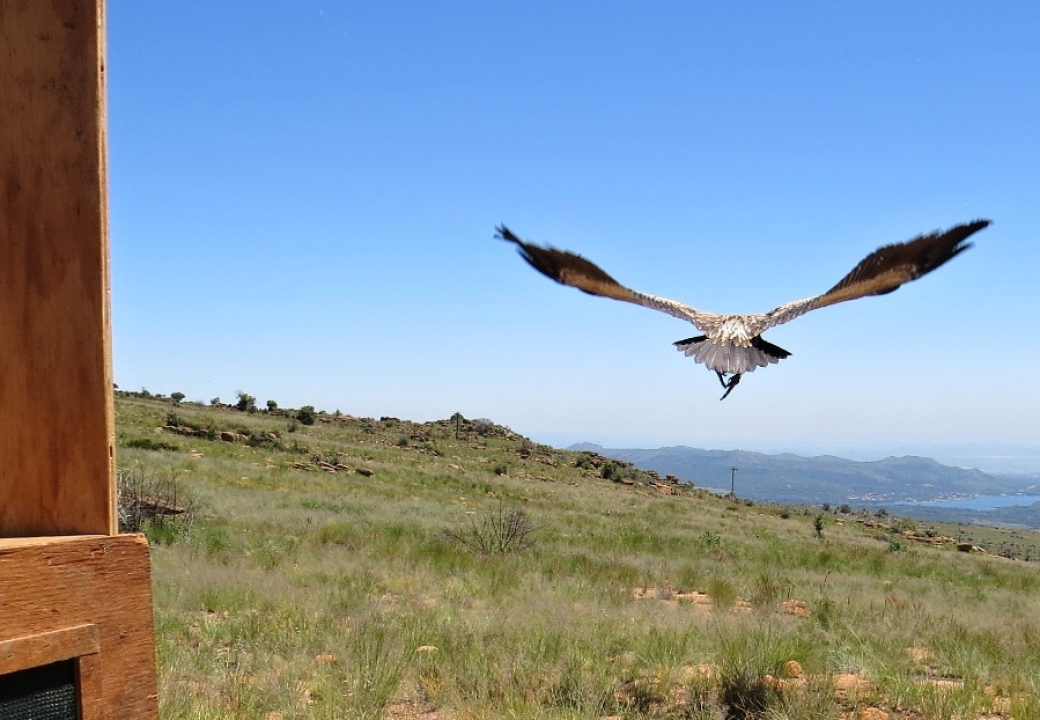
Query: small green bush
710,540
246,402
611,471
346,534
149,444
212,540
584,462
306,415
722,592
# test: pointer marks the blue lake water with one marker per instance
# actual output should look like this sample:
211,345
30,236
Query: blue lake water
980,502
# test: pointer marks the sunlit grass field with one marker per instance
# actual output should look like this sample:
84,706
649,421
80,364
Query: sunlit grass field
292,591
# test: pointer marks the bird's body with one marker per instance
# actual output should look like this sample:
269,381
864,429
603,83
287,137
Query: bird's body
732,345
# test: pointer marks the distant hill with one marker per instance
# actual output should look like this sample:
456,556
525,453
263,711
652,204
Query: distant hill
813,480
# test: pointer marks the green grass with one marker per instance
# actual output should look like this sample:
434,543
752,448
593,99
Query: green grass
300,593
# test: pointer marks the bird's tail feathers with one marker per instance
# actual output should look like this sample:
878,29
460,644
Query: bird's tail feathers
733,359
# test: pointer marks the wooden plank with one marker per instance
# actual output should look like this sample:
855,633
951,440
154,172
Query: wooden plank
39,649
15,543
56,427
48,587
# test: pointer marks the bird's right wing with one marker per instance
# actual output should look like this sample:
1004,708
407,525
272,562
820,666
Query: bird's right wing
577,272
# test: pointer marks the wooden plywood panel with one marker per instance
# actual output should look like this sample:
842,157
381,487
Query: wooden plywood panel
56,413
95,592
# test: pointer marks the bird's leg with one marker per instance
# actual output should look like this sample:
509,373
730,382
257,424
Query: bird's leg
729,385
722,378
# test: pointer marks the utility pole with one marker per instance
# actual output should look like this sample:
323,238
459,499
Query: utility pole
733,481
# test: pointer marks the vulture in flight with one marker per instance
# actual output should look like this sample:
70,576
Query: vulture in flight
732,345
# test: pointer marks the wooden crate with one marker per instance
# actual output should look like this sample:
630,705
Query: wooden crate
71,589
85,598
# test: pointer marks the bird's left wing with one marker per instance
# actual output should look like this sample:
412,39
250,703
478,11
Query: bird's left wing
885,270
577,272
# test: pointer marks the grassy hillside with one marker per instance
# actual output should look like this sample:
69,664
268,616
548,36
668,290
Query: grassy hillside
360,568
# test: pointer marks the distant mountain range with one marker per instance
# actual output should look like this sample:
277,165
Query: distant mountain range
815,480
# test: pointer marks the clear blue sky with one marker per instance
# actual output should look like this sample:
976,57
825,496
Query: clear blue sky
304,194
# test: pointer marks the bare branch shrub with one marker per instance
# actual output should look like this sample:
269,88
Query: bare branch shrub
483,427
496,532
152,505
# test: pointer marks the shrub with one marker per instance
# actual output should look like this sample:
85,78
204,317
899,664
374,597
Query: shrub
496,532
149,444
722,593
611,471
770,589
212,540
306,415
746,659
745,694
153,506
527,447
813,699
483,426
584,462
710,540
246,402
256,438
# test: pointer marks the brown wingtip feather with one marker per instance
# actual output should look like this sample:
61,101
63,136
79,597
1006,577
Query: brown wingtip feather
941,247
891,266
567,268
548,261
504,233
531,253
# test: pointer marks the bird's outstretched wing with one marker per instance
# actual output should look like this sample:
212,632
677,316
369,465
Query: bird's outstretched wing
577,272
885,270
